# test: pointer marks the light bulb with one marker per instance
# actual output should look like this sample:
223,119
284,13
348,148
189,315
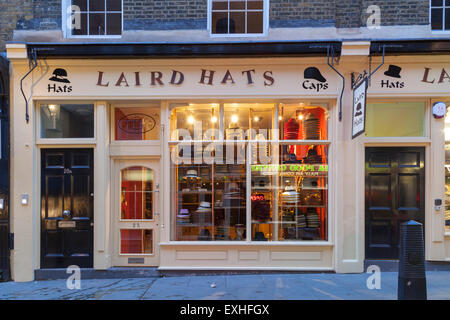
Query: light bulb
300,117
256,119
234,118
191,119
213,119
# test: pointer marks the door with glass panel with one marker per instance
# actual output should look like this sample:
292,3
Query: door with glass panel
136,213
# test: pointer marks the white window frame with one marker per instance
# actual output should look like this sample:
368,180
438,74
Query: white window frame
444,5
266,8
65,4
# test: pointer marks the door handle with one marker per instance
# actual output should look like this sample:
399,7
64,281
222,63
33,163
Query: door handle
67,214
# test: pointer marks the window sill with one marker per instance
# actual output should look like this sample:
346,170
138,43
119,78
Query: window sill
248,243
67,141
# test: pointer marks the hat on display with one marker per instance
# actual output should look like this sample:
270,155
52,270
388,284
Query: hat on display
393,71
259,236
191,174
314,73
204,235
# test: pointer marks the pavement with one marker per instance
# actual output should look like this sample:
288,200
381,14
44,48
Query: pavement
291,286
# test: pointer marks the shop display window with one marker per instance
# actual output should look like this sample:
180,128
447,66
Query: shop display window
382,119
204,118
250,177
302,122
447,170
290,195
210,199
136,201
137,123
67,120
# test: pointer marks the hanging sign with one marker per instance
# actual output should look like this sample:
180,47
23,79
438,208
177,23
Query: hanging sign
439,110
359,109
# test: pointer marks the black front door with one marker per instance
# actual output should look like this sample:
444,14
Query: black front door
395,193
5,237
67,208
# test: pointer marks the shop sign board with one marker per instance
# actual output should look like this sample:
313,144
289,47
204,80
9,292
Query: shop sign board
359,109
186,80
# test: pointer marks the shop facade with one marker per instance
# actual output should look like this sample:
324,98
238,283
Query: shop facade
217,163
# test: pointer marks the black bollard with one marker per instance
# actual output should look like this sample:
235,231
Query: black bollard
412,283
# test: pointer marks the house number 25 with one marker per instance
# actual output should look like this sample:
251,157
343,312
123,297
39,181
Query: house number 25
136,225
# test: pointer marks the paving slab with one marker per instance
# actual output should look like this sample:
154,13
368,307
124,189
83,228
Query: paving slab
303,286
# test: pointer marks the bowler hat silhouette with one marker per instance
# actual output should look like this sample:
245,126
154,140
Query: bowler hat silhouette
393,71
314,73
59,75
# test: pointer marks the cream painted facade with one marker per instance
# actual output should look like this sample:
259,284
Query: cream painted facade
344,249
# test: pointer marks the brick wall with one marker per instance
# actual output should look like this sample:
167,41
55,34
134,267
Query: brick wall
301,13
399,12
164,14
14,13
192,14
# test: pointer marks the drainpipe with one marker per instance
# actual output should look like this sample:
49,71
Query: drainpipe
34,65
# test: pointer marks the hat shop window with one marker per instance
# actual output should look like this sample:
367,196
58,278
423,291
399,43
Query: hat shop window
249,172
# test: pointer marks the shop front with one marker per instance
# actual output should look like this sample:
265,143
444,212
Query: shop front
223,163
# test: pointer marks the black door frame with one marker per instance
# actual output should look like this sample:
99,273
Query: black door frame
41,254
6,238
422,192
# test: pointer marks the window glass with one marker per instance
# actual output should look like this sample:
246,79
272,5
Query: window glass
137,123
440,13
382,119
289,195
237,17
136,201
210,199
195,122
303,122
447,170
134,241
93,18
67,121
288,180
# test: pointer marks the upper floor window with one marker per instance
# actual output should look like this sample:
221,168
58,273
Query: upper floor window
440,15
94,18
230,17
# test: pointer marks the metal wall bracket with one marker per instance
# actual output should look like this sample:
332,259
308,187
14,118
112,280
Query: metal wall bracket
330,50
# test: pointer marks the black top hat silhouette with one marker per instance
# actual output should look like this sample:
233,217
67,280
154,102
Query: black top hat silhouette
358,110
393,71
314,73
59,75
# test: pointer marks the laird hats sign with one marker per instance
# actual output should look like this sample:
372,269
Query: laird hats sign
177,80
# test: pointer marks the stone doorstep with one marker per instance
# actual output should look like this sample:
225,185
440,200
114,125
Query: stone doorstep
392,265
88,273
152,272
